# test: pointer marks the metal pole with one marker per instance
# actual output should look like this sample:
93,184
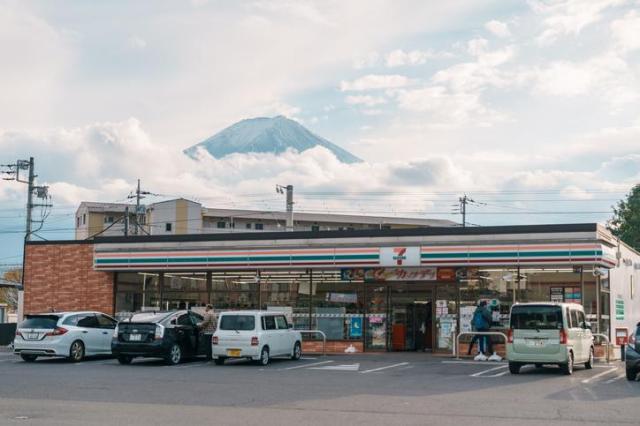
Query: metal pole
29,199
135,230
598,309
582,298
289,207
310,297
126,221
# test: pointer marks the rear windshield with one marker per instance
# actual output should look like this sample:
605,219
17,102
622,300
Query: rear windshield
43,321
149,317
237,322
536,317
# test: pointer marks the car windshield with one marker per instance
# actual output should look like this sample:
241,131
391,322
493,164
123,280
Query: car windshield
40,321
149,317
536,317
238,322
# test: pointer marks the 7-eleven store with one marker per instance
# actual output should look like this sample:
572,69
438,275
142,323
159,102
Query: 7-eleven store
373,290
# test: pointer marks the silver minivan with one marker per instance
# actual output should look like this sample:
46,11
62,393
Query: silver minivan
549,333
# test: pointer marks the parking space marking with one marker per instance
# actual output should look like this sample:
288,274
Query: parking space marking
604,373
342,367
502,373
479,373
615,379
306,365
385,367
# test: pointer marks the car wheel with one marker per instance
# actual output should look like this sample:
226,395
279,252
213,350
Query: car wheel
28,358
219,361
297,351
568,367
174,356
589,364
631,374
125,359
514,368
76,351
264,356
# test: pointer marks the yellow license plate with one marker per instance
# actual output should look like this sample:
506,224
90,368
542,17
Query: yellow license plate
233,352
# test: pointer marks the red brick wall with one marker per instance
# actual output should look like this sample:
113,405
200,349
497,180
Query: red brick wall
333,346
61,277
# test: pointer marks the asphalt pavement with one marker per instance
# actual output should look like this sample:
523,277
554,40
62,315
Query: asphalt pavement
358,389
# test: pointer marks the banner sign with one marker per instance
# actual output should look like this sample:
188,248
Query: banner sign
389,274
355,327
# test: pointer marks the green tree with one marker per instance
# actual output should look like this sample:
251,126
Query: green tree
626,219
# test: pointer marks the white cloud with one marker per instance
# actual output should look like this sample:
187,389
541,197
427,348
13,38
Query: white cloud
366,100
399,57
626,31
373,82
607,77
137,42
498,28
367,60
569,17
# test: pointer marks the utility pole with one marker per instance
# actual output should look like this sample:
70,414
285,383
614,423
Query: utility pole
463,208
281,189
13,171
139,195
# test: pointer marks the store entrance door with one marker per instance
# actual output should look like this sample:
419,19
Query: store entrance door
411,318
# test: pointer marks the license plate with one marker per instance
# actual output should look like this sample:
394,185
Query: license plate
135,337
233,352
536,342
32,336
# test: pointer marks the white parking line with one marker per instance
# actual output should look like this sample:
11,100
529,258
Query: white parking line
502,373
487,371
622,376
604,373
305,365
385,367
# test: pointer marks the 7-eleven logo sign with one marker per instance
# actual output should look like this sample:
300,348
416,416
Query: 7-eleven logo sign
399,255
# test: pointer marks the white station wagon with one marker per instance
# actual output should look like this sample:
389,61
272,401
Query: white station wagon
257,335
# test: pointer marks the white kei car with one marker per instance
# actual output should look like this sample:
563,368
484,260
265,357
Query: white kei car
257,335
71,335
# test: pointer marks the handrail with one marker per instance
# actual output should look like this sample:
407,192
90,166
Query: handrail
324,338
476,333
608,343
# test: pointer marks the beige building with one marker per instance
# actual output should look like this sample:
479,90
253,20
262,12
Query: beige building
181,216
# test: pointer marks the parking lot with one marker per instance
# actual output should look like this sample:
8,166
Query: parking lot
388,388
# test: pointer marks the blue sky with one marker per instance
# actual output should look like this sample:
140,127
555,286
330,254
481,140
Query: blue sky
530,107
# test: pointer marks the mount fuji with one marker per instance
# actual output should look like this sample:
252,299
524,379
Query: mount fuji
266,135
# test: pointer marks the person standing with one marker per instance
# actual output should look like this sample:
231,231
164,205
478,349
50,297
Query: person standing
208,327
482,322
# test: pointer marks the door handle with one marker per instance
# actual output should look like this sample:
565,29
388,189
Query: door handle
84,331
105,332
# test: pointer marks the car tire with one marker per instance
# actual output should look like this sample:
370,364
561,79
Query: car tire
631,374
589,364
219,361
174,356
76,351
567,368
28,358
264,357
514,368
125,359
297,351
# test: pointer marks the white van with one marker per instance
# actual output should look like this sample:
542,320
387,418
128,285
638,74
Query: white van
258,335
549,333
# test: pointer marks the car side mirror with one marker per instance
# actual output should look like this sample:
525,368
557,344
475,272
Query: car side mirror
173,321
586,325
290,326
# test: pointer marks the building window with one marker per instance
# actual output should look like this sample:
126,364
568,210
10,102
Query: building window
167,227
222,225
248,226
108,219
315,228
84,219
386,226
78,222
259,226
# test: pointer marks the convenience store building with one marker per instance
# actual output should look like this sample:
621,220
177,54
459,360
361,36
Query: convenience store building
367,290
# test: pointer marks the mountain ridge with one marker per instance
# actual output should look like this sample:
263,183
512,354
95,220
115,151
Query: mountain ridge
272,135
